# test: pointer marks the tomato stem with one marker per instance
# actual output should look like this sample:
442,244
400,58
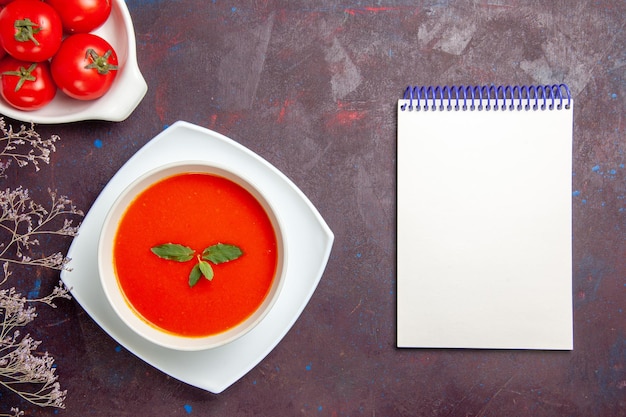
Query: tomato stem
24,74
25,30
100,63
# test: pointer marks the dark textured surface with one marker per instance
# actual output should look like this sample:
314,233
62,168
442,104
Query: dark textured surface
311,87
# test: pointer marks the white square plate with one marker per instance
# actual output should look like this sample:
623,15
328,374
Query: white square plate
309,241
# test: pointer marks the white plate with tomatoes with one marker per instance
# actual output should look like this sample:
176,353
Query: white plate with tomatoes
109,90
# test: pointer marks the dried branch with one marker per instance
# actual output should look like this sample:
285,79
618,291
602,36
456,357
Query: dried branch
23,222
24,146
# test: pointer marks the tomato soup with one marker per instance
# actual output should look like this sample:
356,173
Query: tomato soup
197,211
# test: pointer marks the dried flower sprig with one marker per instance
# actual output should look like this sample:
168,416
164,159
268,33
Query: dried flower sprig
22,221
30,376
24,146
15,413
24,371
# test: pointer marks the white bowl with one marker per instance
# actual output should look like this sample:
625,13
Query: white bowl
115,294
118,103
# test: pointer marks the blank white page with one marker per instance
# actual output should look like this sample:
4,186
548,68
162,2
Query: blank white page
484,229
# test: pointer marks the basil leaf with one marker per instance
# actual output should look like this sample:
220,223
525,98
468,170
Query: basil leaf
206,269
221,252
173,252
194,275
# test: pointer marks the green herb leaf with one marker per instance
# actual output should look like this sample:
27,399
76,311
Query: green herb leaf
206,269
194,275
173,252
216,254
221,252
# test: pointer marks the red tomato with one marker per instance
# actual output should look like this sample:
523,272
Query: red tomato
85,66
2,51
30,30
26,85
81,16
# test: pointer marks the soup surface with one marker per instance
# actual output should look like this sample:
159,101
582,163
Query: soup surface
195,210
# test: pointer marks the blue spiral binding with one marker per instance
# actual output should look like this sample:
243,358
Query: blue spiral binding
487,97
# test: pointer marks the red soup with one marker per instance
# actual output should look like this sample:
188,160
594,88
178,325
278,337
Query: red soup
197,211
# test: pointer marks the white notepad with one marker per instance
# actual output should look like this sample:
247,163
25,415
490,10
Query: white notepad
484,227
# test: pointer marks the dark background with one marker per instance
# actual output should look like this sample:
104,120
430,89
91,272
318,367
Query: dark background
312,88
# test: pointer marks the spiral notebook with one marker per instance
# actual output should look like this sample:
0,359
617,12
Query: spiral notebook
484,235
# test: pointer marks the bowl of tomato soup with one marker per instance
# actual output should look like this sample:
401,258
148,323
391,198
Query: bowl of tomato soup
191,256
